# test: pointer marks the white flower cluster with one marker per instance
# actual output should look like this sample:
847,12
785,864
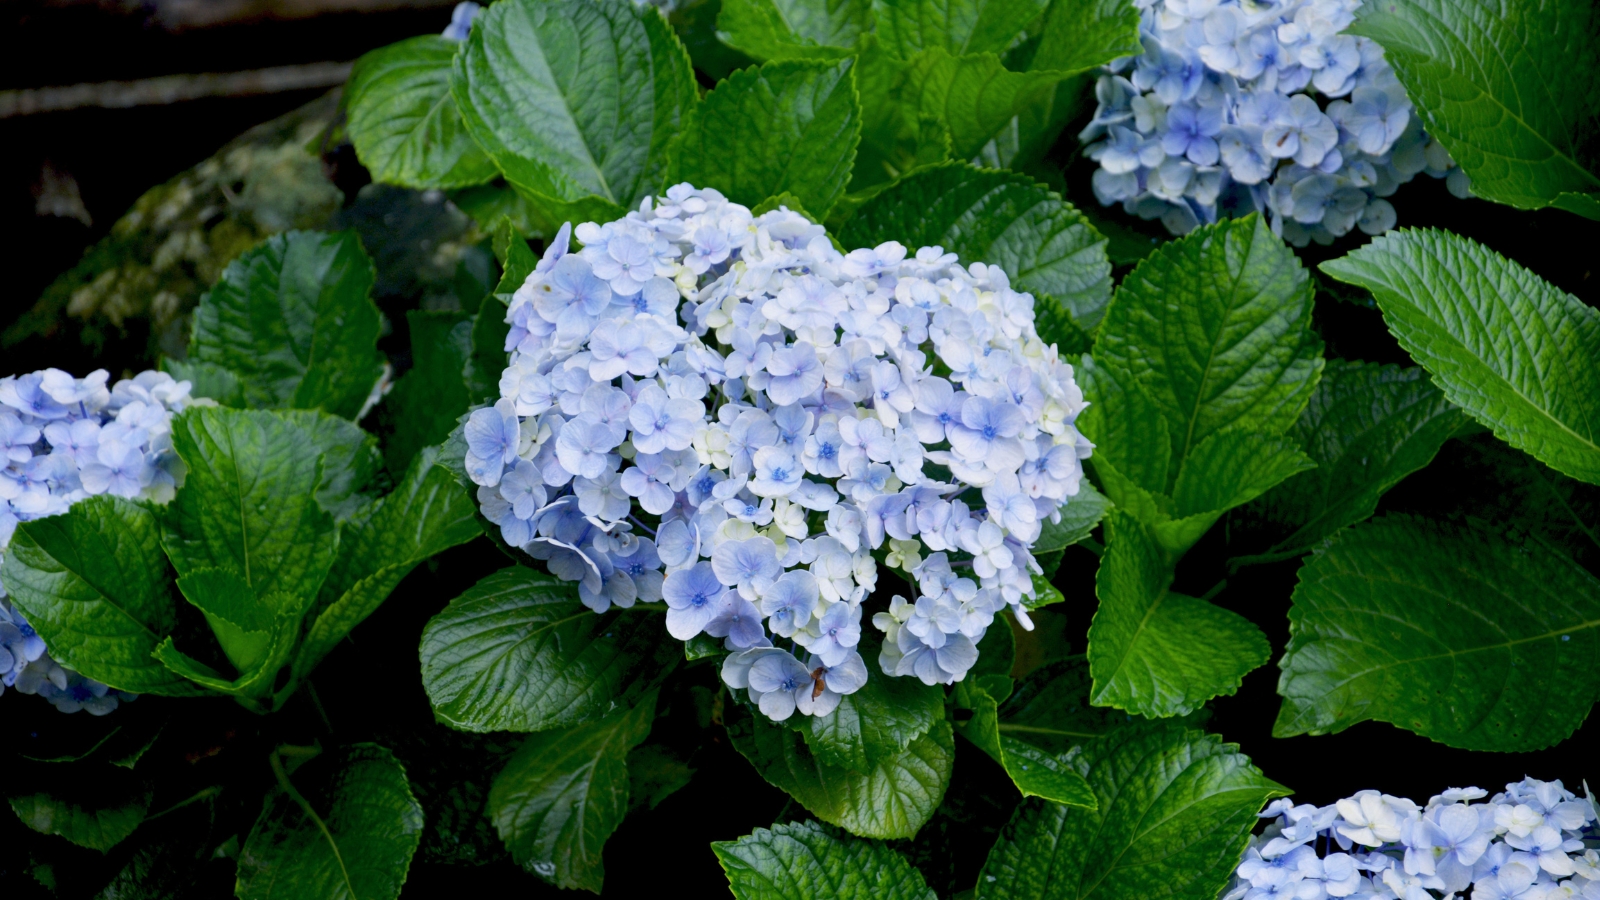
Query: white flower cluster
1535,841
722,411
1218,117
64,439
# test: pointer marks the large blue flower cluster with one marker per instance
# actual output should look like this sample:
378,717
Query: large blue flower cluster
64,439
1534,841
1219,116
722,411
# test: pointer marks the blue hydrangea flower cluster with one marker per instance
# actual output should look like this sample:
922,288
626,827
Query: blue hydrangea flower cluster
64,439
722,411
1220,116
1534,841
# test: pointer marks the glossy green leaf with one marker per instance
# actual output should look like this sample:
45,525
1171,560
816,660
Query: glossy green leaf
794,29
427,514
518,652
786,127
1133,445
1518,354
1082,34
565,792
426,401
1366,427
1000,218
292,321
907,27
575,100
892,800
350,459
1154,652
100,826
1176,808
242,623
94,583
248,503
1450,631
1586,205
347,831
806,861
1034,771
875,722
403,122
1507,86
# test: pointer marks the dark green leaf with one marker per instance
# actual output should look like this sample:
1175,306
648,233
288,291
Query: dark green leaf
1518,354
1366,427
248,503
105,824
907,27
176,846
1000,218
518,652
1050,708
1035,772
1507,86
575,100
403,122
654,774
565,792
1450,631
1154,652
1176,808
892,800
804,861
489,330
94,583
348,835
786,127
291,319
794,29
875,722
427,400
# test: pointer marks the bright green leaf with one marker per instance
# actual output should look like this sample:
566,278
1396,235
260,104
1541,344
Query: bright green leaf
1153,652
93,582
1035,772
518,652
892,800
565,792
1518,354
805,861
1507,86
575,100
1586,205
1079,517
241,622
1082,34
348,835
1000,218
1450,631
786,127
907,27
875,722
1176,808
794,29
292,321
403,122
350,459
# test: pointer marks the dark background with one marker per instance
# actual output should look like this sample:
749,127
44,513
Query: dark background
114,155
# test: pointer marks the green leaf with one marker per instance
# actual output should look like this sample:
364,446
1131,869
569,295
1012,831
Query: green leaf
999,218
1215,328
575,100
403,122
565,792
804,861
350,836
1153,652
488,204
427,400
1366,427
1450,631
1507,86
1518,354
518,652
1176,808
875,722
482,372
113,816
427,514
1079,517
1232,467
94,583
248,503
1586,205
272,647
1082,34
892,800
907,27
786,127
1133,444
654,774
517,259
350,459
1050,708
292,321
1035,772
242,623
794,29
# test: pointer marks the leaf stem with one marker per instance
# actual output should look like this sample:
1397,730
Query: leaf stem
305,807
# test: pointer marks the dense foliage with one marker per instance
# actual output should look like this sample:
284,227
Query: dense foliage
785,449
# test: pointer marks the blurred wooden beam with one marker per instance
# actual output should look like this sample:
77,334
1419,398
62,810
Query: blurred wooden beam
172,89
180,15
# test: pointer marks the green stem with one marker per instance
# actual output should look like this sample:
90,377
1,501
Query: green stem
305,806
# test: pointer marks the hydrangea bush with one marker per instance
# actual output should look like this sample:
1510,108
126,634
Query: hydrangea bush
904,424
